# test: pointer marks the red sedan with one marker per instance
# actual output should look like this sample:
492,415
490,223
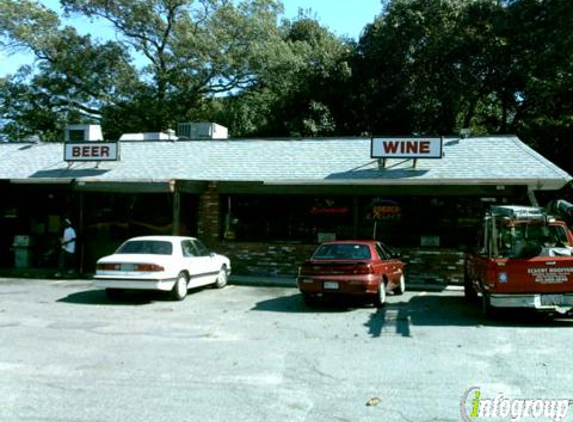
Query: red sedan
352,267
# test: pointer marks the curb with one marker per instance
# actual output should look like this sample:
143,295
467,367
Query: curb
291,282
237,280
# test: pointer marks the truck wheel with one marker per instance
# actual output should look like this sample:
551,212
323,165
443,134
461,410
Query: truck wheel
486,308
469,292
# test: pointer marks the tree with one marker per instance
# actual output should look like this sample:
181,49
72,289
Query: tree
192,50
299,94
437,66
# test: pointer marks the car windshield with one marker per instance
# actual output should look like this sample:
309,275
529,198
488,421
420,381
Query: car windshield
155,247
342,251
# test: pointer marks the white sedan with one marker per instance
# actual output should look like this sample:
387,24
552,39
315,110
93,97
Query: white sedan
167,263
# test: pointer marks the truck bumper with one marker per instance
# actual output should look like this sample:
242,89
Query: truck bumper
559,302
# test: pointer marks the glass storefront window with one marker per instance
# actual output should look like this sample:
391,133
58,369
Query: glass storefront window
286,218
408,221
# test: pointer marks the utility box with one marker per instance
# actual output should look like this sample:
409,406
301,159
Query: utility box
202,131
22,251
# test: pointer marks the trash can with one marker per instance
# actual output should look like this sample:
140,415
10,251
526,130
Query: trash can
22,252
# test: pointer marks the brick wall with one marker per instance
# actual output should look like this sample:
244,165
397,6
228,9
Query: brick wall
265,259
442,266
209,224
282,260
276,259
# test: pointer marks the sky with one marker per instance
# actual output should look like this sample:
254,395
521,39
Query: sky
342,17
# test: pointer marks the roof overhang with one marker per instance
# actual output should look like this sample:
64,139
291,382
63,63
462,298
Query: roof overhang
531,184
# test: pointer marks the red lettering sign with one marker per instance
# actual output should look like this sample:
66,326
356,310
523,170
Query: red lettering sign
407,147
390,147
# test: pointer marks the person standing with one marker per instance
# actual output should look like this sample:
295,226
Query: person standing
68,250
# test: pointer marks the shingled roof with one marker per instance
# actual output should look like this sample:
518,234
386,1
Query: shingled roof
341,161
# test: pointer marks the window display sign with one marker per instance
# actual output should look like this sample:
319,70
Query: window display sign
91,151
398,147
384,210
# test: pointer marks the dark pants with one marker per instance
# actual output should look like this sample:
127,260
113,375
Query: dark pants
67,261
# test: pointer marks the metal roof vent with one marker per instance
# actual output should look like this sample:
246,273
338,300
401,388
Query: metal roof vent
168,135
83,133
202,131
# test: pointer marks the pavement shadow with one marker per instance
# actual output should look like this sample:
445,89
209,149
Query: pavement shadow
99,297
437,309
127,298
295,304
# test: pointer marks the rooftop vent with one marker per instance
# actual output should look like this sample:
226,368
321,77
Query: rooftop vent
202,131
83,133
168,135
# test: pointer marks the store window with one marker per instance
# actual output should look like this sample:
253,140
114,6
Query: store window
401,222
296,218
421,221
117,217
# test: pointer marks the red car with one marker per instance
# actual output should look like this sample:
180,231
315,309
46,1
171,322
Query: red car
353,267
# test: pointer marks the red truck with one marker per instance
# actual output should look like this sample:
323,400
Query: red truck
523,260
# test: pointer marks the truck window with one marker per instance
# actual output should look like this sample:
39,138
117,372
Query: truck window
559,234
526,240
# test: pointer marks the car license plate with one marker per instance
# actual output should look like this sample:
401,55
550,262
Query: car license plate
127,267
549,300
331,285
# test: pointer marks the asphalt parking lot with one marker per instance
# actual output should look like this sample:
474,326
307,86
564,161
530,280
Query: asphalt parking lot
248,353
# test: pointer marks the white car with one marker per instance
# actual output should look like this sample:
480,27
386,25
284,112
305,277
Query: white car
167,263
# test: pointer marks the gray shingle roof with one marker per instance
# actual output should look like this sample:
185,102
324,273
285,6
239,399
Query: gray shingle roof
487,160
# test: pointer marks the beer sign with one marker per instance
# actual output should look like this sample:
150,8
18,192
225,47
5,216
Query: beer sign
399,147
91,151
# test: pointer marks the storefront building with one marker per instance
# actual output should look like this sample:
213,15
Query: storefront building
267,203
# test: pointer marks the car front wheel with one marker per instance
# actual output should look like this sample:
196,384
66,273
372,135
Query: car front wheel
380,297
179,290
222,278
401,286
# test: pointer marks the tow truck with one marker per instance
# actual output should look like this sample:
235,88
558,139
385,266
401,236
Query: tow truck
524,259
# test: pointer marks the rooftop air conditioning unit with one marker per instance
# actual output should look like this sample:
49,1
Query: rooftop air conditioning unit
202,131
149,136
83,133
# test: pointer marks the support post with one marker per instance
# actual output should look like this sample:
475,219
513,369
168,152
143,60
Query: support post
532,198
176,213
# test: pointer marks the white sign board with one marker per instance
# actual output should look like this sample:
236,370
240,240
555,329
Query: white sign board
399,147
91,151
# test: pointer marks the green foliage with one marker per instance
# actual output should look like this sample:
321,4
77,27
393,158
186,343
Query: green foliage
422,67
437,66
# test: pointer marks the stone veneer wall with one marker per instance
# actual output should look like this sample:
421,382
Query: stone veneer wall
442,266
281,259
265,259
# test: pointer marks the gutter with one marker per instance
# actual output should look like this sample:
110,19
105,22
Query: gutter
533,184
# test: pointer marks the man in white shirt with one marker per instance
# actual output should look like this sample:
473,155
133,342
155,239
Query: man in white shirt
68,252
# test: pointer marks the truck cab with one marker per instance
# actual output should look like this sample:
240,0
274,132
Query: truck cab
524,259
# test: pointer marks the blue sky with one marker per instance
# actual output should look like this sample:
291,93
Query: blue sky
343,17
